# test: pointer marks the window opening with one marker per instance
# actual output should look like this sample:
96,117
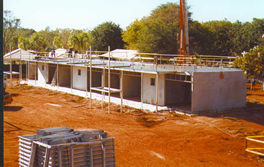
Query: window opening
152,81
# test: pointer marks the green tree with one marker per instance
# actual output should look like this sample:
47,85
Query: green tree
57,42
23,43
61,38
10,25
201,39
252,62
221,35
38,42
80,41
156,33
107,34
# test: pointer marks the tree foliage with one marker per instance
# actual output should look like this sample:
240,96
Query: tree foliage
156,33
252,62
80,40
10,25
107,34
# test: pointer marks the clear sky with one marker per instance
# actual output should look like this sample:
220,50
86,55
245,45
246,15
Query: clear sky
87,14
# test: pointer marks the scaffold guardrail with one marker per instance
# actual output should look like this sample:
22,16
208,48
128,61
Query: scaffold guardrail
255,150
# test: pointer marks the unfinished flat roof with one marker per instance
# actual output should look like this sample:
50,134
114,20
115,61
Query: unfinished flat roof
142,67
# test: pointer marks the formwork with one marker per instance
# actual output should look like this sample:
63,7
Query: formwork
61,146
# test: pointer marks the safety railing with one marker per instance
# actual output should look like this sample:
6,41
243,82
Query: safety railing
259,140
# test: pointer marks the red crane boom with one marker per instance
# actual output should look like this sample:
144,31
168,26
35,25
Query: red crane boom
183,36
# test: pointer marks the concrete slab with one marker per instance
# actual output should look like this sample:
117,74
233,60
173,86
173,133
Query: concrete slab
115,100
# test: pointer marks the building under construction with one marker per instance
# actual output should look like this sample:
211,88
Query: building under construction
143,80
140,80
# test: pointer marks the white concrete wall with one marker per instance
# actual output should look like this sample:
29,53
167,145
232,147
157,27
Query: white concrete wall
79,81
215,91
43,74
149,91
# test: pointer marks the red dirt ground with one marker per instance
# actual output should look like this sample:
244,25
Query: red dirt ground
160,139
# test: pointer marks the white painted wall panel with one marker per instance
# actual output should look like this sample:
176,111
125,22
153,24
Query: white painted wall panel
149,91
43,72
79,81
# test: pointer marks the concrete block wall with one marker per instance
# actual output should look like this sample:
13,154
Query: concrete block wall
32,71
131,86
96,79
114,80
43,73
149,91
218,91
79,78
177,93
64,76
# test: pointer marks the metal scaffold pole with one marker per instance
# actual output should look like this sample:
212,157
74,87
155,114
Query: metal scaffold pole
121,90
157,91
20,69
10,67
141,90
103,85
71,77
35,73
86,90
90,56
109,93
57,76
27,69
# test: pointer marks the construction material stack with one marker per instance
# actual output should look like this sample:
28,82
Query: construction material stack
62,146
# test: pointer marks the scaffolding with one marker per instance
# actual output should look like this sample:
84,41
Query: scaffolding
256,140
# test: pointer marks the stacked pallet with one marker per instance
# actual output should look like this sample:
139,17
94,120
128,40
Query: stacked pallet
61,146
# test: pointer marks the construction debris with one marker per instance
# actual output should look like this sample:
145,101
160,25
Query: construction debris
62,146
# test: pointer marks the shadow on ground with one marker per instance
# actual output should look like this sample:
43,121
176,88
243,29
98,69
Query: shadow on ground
12,127
253,112
12,108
